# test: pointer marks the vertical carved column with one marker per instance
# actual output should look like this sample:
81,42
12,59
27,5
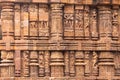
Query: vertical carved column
67,62
69,22
117,63
86,22
17,21
93,22
72,63
115,23
56,21
24,21
106,64
87,62
79,63
17,63
47,63
7,17
44,28
105,23
79,23
94,64
33,64
7,66
41,64
25,64
57,63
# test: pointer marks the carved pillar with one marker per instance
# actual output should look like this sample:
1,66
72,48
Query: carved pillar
106,64
33,64
94,66
56,21
115,23
7,17
25,64
79,63
117,63
43,24
17,21
41,64
94,24
67,63
17,58
24,21
72,63
86,22
47,63
79,23
87,63
105,23
69,22
57,64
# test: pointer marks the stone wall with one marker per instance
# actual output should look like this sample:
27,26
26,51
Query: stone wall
59,40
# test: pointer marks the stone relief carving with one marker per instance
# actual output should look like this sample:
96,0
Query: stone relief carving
25,63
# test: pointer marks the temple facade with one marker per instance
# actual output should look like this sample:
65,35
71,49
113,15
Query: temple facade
59,39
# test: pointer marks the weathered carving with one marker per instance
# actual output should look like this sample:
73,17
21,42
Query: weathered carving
17,21
47,63
69,22
17,63
115,24
79,25
105,21
72,63
66,58
33,30
34,64
24,21
79,63
93,22
33,12
117,63
94,63
87,62
25,62
86,21
41,64
59,39
43,22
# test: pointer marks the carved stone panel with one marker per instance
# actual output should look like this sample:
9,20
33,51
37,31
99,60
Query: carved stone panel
69,22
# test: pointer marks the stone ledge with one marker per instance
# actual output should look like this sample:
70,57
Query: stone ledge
84,2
